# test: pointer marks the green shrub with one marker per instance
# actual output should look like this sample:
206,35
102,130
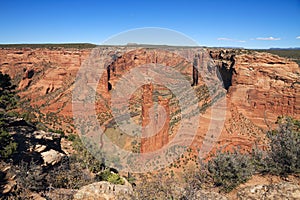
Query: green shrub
7,94
115,179
285,147
107,175
193,181
283,155
103,176
260,160
84,157
71,137
7,145
28,116
228,170
61,132
131,180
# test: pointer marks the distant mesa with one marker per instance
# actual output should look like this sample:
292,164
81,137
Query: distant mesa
132,44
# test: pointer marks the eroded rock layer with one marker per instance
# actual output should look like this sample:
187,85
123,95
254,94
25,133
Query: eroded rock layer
259,87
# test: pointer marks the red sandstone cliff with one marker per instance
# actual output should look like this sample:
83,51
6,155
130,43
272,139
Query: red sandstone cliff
260,87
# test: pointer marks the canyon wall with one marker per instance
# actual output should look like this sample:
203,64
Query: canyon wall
259,87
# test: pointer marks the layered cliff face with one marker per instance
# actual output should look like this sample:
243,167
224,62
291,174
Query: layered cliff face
268,85
258,87
44,78
153,106
261,87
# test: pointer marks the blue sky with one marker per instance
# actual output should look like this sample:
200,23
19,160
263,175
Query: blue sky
250,24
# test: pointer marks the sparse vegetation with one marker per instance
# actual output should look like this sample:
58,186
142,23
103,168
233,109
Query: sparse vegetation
108,175
7,145
158,186
285,147
7,101
115,179
293,54
30,176
229,169
71,137
61,132
83,156
69,174
7,94
283,156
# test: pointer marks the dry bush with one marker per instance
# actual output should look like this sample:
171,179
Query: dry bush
229,169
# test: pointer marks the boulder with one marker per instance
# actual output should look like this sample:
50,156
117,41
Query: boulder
283,190
205,195
103,191
51,157
40,148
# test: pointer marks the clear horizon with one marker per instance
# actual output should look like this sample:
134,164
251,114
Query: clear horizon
256,24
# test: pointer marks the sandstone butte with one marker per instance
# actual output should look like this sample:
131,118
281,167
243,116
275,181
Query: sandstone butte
258,87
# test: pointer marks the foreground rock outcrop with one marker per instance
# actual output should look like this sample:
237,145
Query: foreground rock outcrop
206,194
283,190
39,146
104,191
37,152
